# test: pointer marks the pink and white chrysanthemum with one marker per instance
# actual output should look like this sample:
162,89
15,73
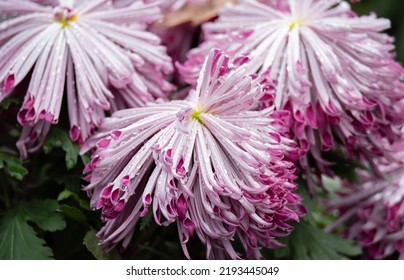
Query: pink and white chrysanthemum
101,55
335,71
209,163
376,209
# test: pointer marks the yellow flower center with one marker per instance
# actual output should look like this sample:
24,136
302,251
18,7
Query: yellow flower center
196,114
297,22
66,21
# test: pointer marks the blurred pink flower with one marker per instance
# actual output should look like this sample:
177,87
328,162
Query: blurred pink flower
209,163
334,71
45,2
167,6
376,212
191,68
174,5
110,62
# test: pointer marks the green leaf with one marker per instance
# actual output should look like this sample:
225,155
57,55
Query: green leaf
317,214
308,242
73,213
7,102
72,182
44,213
91,242
13,165
59,138
145,222
18,240
344,167
66,194
331,184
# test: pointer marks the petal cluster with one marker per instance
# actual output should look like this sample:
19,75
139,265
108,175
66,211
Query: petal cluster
102,56
376,209
211,163
334,71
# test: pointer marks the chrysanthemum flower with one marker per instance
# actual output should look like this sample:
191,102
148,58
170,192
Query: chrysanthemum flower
209,163
101,55
191,68
376,209
335,71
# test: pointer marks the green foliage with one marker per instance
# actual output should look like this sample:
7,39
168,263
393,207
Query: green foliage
12,165
146,220
345,168
60,139
70,211
19,240
73,213
7,102
308,242
69,194
91,242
